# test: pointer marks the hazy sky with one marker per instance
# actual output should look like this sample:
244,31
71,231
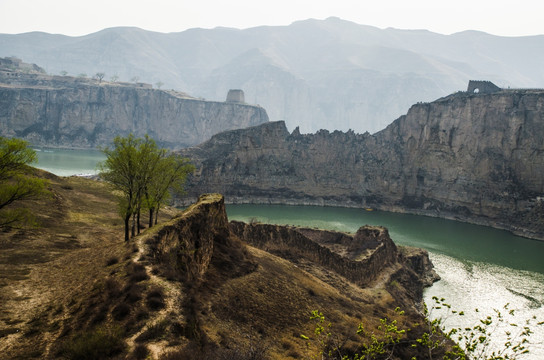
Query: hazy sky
80,17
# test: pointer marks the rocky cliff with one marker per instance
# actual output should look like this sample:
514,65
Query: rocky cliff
187,243
473,157
316,74
227,280
72,112
360,258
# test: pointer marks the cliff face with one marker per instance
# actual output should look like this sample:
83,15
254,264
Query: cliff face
187,243
360,258
355,77
74,113
477,158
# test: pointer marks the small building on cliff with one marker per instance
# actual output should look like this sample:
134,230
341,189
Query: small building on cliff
482,87
236,96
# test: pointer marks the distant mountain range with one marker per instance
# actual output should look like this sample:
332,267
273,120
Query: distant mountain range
315,74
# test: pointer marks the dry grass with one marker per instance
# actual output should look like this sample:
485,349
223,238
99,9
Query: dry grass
273,304
74,278
62,269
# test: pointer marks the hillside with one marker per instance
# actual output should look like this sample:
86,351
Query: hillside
316,74
191,287
472,157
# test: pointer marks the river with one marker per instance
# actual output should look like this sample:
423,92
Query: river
480,267
66,162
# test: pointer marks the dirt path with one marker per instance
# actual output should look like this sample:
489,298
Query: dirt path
173,298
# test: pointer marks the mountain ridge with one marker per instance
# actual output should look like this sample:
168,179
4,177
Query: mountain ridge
343,80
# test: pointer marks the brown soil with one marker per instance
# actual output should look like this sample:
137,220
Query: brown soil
74,275
48,270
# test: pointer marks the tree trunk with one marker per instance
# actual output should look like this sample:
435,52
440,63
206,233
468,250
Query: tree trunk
133,225
150,217
138,226
127,226
157,215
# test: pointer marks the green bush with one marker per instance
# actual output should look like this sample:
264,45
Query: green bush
434,342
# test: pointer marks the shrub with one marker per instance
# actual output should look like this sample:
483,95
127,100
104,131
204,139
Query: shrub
113,288
112,261
137,272
155,299
120,311
140,352
101,314
98,343
133,293
155,331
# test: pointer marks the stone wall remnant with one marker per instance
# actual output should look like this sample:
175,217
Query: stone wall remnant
236,96
482,87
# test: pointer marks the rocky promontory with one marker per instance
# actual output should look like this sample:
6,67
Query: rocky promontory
65,111
244,276
193,286
473,157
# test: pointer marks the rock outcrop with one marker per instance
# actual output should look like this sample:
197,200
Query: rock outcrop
186,243
265,279
360,258
473,157
64,111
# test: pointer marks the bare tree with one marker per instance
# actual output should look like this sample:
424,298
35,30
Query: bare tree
99,76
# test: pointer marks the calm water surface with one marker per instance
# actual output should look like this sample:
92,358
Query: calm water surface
481,268
66,162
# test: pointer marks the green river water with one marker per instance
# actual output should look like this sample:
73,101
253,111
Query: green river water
480,267
65,162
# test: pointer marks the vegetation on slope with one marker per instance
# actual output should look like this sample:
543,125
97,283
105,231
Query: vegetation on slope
17,183
189,288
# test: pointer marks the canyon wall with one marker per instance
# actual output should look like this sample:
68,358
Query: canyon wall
473,157
316,74
70,112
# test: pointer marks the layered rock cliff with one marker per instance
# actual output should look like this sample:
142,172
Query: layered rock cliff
473,157
316,74
72,112
360,258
